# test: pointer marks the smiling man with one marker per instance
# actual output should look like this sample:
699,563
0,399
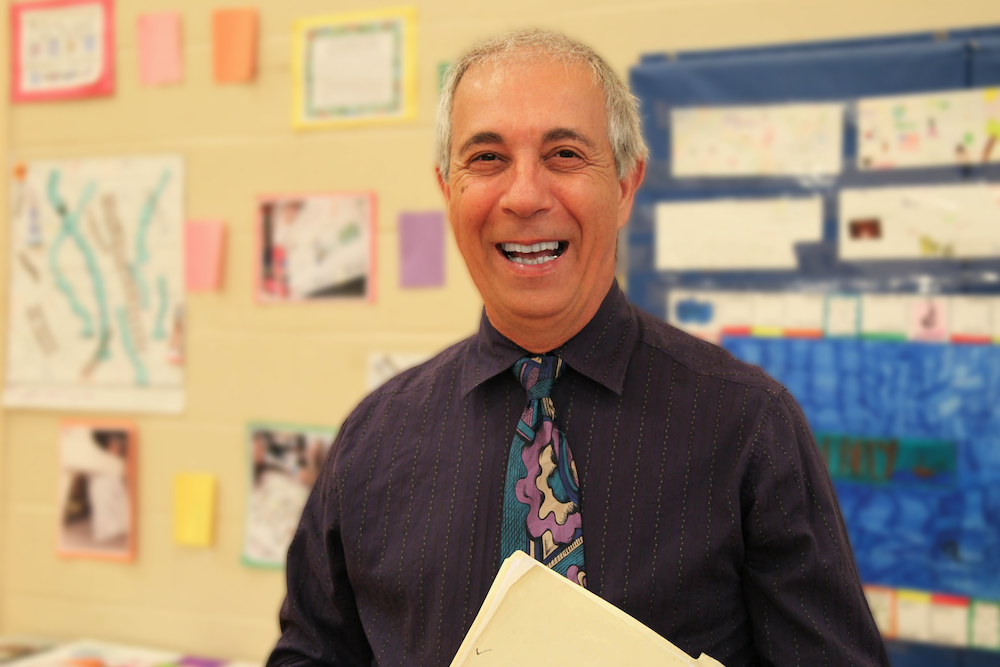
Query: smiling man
665,476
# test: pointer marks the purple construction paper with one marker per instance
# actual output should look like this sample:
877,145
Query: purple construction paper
421,249
195,661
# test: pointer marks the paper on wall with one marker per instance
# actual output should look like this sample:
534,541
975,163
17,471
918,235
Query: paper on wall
930,129
949,623
913,615
929,319
882,603
971,316
775,140
734,234
984,624
62,49
843,315
160,60
382,366
949,221
885,315
97,285
354,67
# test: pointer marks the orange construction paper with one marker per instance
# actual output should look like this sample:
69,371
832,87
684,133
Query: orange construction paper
234,33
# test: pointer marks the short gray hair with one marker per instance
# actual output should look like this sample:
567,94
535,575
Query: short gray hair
624,127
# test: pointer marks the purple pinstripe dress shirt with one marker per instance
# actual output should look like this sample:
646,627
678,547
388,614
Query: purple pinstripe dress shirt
708,512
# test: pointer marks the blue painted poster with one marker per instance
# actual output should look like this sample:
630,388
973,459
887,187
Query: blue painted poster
910,432
96,307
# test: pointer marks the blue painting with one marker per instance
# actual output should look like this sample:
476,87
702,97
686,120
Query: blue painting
911,436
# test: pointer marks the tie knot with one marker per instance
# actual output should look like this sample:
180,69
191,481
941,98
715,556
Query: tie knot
538,374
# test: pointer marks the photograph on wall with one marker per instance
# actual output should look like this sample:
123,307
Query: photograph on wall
62,49
284,462
97,480
316,247
354,68
96,301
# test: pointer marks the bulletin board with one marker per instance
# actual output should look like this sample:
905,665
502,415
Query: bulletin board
907,419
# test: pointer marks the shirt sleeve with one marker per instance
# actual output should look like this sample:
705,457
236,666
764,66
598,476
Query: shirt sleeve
319,619
799,578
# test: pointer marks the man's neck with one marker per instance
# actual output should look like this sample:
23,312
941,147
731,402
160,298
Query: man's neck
542,335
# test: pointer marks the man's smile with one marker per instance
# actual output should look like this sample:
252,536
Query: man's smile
535,253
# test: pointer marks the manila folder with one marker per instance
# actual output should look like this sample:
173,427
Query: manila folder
533,615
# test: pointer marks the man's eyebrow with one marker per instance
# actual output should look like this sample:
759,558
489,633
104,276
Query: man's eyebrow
480,138
561,133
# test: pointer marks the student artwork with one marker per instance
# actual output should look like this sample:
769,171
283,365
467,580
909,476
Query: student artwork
62,49
354,68
383,366
284,464
952,128
731,234
97,480
778,140
920,222
317,247
96,307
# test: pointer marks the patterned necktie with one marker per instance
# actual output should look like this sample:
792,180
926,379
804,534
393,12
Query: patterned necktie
541,501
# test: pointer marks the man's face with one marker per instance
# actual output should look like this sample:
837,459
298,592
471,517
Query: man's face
533,196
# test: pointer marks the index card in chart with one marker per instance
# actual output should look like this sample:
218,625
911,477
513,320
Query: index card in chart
735,234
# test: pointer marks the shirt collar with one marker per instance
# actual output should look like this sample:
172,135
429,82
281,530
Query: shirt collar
600,351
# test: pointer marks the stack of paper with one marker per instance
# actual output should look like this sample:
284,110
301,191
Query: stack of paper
507,629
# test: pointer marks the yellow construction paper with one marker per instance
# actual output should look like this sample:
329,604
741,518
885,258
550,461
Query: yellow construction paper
194,505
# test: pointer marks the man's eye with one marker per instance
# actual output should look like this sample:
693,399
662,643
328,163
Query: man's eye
566,153
485,157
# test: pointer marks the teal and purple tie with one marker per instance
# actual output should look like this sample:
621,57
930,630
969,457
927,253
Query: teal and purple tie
541,502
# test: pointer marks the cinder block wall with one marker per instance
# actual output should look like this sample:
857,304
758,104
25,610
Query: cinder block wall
294,363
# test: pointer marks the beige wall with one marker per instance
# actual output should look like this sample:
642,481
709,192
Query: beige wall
295,364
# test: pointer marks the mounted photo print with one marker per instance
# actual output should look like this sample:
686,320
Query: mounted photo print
97,490
285,461
316,247
62,49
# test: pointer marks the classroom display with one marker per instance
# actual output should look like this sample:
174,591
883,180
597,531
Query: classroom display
317,247
883,321
284,462
97,285
62,49
97,490
354,68
103,654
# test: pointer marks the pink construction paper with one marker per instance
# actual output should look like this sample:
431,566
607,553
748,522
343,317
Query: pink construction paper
203,248
421,249
160,48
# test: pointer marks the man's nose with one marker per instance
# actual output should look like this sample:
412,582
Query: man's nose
528,191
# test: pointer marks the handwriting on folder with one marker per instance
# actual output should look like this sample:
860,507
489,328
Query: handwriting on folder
506,630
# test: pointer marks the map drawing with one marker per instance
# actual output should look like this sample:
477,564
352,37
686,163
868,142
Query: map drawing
911,435
96,308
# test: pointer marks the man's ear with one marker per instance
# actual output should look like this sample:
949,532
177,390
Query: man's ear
443,184
629,185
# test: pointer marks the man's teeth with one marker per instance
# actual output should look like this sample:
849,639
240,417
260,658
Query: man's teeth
536,247
540,260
